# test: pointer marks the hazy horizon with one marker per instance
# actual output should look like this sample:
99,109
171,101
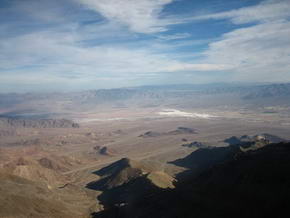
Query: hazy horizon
51,91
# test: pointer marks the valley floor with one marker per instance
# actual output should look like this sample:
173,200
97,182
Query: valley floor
63,161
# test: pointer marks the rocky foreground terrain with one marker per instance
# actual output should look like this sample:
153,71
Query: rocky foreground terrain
246,178
220,182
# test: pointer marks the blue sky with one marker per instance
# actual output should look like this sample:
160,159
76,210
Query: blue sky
68,45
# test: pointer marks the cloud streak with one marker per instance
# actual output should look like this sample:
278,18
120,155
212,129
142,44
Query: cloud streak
259,52
142,16
267,11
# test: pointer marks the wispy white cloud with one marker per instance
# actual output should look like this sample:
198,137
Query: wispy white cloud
259,52
266,11
142,16
60,53
175,36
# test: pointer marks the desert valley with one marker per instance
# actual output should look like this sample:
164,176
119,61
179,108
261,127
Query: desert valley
97,153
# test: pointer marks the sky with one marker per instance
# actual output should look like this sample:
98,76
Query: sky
71,45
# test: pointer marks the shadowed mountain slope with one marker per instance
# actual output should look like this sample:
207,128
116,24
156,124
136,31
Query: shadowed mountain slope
254,183
204,158
126,170
127,180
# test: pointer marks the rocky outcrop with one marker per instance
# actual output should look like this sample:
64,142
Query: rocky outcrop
104,150
178,131
254,142
150,134
195,144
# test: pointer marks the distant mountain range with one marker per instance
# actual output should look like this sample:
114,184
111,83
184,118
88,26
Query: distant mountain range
50,105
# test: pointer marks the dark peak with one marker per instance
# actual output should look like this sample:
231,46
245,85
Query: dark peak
117,174
125,160
126,170
195,144
117,167
255,140
234,140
